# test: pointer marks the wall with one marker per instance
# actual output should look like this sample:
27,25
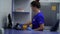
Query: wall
5,9
59,18
50,0
58,14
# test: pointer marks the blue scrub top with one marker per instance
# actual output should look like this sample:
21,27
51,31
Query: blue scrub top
37,20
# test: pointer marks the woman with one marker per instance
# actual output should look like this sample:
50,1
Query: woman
38,19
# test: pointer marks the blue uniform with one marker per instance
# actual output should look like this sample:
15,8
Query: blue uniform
37,20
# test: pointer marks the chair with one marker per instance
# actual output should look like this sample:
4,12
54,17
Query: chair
9,21
55,27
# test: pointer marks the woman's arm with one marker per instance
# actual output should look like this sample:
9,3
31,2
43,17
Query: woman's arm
28,23
40,28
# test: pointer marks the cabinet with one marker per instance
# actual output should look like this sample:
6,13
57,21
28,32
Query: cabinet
21,11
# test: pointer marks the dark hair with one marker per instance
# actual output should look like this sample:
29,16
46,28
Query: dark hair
36,4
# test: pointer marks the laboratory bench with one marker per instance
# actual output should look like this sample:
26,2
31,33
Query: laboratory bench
13,31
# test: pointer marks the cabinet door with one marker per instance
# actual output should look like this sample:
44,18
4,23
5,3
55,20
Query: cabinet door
49,14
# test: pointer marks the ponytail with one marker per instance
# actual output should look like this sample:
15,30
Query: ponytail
37,0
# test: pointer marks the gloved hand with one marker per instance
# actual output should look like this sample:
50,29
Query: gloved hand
30,29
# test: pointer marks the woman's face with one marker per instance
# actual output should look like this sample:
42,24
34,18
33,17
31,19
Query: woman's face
33,8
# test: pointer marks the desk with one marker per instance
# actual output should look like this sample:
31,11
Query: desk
12,31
